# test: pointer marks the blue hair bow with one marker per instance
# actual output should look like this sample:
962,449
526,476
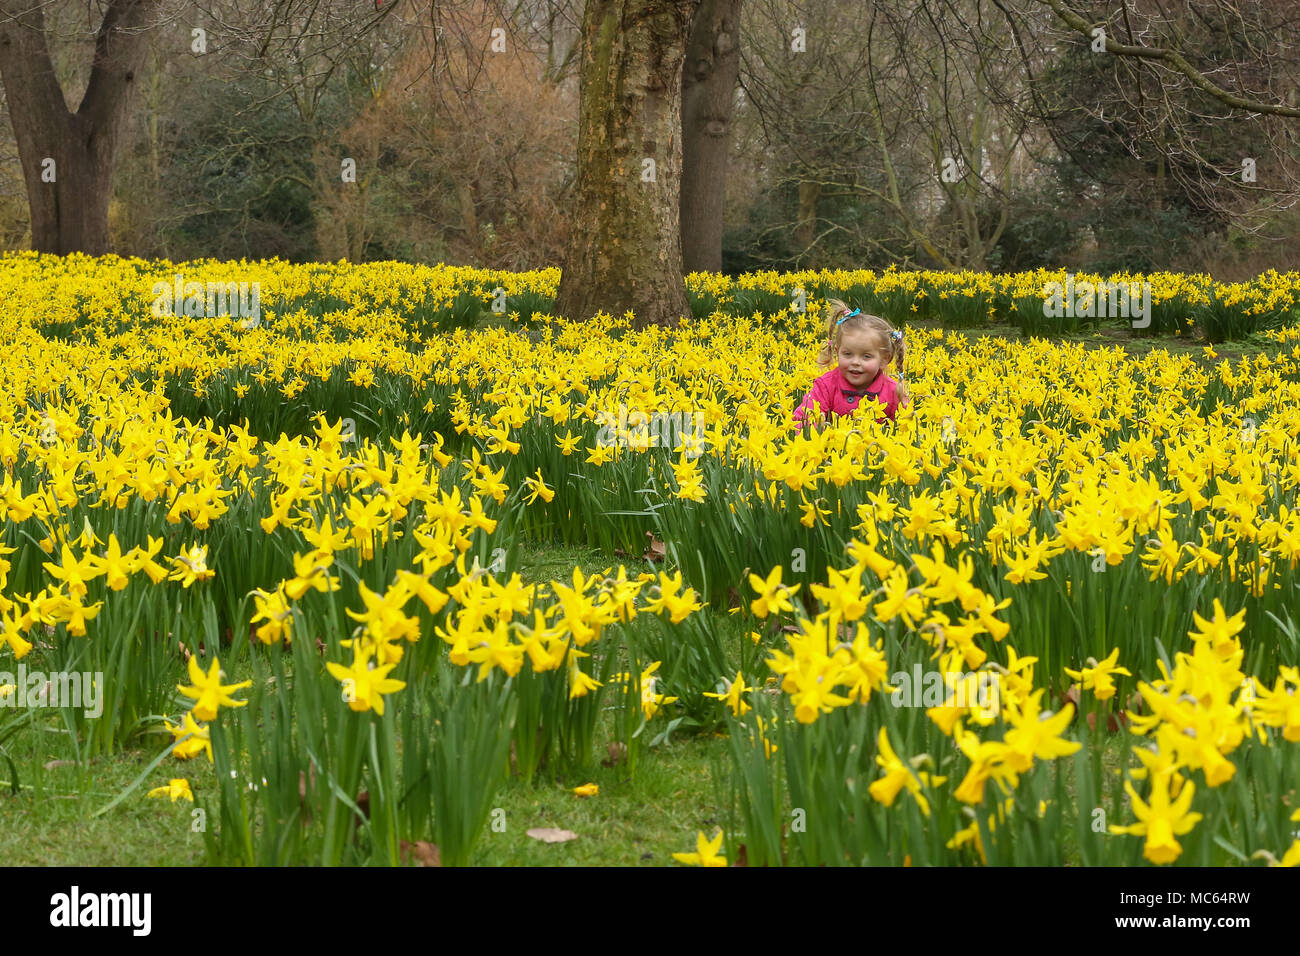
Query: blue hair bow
847,315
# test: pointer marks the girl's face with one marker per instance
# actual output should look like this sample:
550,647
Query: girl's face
862,355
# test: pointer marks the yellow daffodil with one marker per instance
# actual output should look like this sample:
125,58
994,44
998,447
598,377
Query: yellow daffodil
1098,677
191,739
176,788
207,691
365,683
538,488
773,596
733,695
1161,820
706,852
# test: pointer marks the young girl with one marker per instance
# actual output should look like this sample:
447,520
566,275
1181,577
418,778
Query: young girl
865,345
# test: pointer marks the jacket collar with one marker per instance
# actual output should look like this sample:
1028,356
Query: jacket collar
878,382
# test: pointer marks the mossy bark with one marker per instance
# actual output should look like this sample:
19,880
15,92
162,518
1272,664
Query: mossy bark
625,249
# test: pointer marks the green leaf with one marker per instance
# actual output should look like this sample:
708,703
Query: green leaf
139,780
1224,844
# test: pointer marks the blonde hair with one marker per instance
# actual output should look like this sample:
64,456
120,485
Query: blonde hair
886,335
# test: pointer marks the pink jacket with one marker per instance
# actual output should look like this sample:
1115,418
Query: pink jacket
837,397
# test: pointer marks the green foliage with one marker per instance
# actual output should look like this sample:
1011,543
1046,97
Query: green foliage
432,317
241,171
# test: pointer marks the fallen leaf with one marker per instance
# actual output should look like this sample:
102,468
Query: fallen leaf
60,763
426,854
658,550
742,856
551,835
617,754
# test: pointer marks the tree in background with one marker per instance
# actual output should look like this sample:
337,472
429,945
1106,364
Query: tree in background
496,93
1177,128
625,250
68,156
898,144
980,133
709,84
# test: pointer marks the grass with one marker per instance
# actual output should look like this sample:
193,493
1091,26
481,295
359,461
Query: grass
679,789
628,823
52,821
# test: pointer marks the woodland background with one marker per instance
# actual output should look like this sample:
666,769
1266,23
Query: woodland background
467,155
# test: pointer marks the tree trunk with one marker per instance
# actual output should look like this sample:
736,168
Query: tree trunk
805,230
625,250
68,157
708,97
468,215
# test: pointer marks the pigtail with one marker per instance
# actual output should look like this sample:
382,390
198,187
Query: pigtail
900,355
834,309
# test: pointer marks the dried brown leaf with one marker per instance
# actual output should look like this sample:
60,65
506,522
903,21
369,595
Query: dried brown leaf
425,854
552,835
658,550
